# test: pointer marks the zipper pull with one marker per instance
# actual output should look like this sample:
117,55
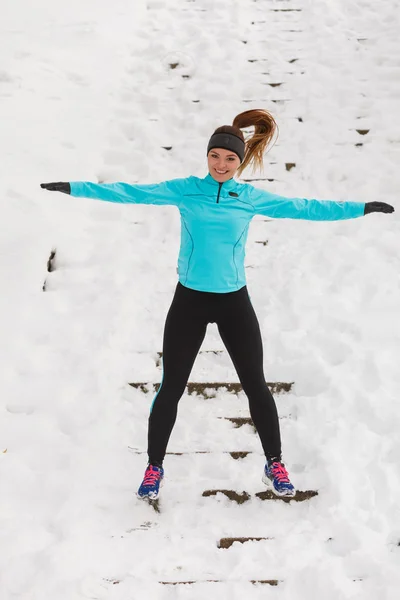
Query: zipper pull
219,191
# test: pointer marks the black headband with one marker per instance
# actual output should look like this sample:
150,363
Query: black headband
228,141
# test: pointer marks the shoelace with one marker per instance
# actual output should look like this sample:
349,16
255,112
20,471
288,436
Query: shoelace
151,476
279,471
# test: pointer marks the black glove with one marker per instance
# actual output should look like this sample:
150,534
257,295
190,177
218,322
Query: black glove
378,207
60,186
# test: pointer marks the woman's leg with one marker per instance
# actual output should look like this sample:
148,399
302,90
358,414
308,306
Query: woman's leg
240,332
184,332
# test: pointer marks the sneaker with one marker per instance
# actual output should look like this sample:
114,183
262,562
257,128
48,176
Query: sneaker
153,479
277,479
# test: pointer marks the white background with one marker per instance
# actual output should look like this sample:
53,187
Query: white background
87,93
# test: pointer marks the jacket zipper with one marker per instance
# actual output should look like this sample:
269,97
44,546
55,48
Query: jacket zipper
219,191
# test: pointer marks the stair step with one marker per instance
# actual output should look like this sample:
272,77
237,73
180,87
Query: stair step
227,542
276,387
242,497
215,352
254,581
234,454
240,421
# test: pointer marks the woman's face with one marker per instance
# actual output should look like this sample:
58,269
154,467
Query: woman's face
222,164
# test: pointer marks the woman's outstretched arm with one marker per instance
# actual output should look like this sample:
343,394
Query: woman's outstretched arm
280,207
164,193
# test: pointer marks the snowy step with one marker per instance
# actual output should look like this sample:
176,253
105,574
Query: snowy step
235,454
227,542
230,581
240,421
278,26
274,100
242,497
285,10
208,389
201,353
289,59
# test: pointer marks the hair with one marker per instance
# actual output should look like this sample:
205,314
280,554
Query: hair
265,127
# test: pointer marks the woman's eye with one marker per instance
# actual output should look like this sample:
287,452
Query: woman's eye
230,158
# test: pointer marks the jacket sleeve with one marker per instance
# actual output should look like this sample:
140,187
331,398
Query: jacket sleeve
164,193
279,207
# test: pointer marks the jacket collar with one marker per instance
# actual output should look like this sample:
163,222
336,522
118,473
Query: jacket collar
227,185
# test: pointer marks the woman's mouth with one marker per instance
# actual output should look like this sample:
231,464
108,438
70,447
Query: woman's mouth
221,172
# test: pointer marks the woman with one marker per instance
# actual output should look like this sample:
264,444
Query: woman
216,212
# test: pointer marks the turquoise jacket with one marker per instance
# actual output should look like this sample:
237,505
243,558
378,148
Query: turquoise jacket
215,219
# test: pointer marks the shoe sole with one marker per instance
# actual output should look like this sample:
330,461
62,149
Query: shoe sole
270,485
148,496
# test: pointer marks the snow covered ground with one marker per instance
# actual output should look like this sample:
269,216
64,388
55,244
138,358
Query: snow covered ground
87,92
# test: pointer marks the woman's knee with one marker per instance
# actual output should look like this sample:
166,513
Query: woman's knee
256,391
253,379
173,390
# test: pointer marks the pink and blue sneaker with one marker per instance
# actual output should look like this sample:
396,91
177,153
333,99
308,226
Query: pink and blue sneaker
153,480
276,478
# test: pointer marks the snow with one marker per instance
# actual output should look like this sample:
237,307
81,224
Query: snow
87,93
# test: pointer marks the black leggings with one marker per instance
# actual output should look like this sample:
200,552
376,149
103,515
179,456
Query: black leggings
184,332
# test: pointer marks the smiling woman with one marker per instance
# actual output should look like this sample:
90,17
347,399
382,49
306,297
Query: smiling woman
216,212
